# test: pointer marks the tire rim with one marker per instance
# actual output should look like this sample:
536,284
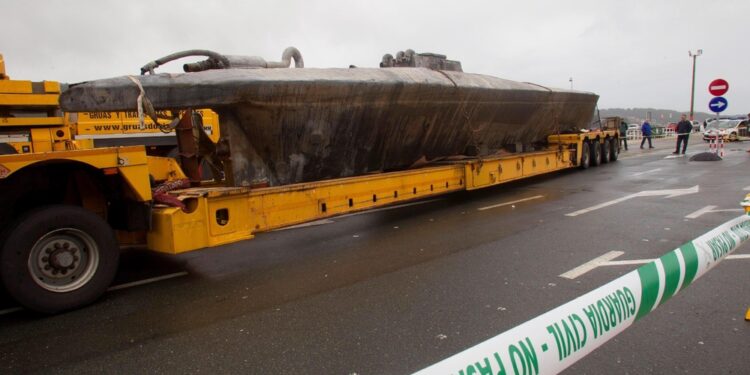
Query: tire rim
63,260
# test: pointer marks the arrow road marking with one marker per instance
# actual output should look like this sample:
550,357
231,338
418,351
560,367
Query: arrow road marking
710,209
607,260
671,193
590,265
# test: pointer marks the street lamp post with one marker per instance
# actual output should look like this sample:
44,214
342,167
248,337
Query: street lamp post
692,87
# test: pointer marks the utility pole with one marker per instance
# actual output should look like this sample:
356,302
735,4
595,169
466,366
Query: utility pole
692,88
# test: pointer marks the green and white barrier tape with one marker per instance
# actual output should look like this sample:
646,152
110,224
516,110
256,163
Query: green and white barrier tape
558,338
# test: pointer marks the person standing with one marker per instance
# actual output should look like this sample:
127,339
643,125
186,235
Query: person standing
624,134
646,131
684,127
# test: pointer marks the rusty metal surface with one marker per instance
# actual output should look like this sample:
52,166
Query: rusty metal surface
293,125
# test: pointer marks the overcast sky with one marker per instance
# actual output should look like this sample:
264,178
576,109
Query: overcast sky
631,53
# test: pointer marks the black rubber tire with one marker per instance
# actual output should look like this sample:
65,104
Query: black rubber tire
596,154
605,151
585,155
614,149
54,222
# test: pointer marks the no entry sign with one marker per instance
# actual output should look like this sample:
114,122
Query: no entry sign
718,87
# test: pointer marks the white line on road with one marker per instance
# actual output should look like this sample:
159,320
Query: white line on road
644,172
710,209
308,224
116,287
700,212
10,310
147,281
590,265
509,203
670,193
606,260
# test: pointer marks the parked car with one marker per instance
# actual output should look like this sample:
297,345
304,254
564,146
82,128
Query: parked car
697,128
634,127
729,130
672,126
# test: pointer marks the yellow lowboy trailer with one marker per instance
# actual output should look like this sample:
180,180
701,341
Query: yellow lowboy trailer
65,214
221,215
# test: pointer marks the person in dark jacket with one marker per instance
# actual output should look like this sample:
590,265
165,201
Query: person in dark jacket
624,134
646,131
684,127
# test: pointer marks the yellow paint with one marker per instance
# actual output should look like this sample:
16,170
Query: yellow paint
120,124
130,161
164,169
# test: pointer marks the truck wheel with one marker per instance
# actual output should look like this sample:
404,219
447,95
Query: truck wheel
733,137
605,151
595,153
614,149
56,258
585,155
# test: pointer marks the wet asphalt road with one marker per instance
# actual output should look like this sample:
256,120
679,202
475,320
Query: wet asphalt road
393,291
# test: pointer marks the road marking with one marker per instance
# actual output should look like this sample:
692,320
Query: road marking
710,209
576,328
10,310
308,224
746,188
509,203
115,287
650,171
674,156
590,265
671,193
147,281
607,260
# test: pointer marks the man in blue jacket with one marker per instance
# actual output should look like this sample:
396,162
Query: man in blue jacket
646,130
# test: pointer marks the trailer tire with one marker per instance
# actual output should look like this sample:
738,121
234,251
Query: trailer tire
595,153
57,258
585,155
614,149
605,151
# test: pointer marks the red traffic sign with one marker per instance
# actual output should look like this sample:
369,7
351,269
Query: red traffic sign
718,87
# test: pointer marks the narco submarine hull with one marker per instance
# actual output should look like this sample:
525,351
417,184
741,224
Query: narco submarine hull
282,126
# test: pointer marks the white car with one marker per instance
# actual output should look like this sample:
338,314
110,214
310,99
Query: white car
729,130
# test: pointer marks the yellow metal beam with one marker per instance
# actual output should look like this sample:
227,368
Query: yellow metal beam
31,121
29,100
